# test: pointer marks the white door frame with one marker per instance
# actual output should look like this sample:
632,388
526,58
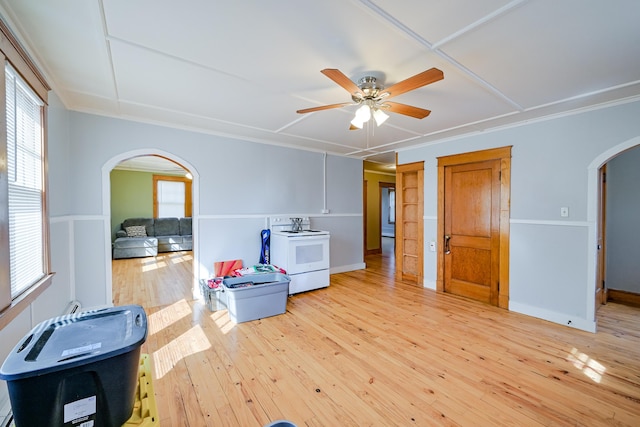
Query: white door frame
593,218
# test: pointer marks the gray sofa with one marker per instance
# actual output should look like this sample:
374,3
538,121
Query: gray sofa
142,237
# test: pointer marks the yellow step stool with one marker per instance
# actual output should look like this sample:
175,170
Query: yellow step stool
145,411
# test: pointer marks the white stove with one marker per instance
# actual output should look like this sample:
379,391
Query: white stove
303,252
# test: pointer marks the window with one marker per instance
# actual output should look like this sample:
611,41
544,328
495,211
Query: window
170,199
392,206
25,184
24,243
171,196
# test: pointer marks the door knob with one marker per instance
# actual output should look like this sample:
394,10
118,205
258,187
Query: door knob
447,248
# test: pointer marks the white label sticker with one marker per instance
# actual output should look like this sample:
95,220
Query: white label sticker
83,349
79,408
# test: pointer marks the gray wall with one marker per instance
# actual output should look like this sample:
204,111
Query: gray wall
552,262
239,184
623,222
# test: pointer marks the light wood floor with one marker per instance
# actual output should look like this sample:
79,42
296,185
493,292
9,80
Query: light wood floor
370,351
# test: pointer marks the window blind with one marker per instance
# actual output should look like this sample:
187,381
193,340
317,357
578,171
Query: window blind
24,170
170,199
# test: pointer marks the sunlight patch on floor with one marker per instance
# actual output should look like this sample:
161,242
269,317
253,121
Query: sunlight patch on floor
168,316
222,320
180,259
590,367
191,342
154,266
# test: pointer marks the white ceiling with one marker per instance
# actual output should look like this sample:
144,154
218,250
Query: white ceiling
154,164
243,68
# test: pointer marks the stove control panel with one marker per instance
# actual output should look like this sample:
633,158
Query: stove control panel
287,223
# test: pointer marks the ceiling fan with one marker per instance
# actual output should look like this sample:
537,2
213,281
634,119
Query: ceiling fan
374,98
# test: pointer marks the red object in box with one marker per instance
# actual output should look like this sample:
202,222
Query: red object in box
226,268
215,283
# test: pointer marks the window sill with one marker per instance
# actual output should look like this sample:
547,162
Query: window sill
24,300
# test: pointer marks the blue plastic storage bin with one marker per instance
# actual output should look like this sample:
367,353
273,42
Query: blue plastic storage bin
77,370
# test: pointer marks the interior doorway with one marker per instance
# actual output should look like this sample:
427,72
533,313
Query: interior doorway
149,187
617,272
387,217
150,162
378,218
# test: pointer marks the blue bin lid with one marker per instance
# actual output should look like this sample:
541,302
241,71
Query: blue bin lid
74,340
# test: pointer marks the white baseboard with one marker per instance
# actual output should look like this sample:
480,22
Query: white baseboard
97,307
429,284
552,316
345,268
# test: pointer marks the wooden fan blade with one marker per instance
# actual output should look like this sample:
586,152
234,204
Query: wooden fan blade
419,80
352,127
324,107
344,81
407,110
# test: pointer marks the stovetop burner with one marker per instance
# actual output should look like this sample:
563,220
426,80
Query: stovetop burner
285,226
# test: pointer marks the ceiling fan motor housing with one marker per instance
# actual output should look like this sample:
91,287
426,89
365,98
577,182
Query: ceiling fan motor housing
369,87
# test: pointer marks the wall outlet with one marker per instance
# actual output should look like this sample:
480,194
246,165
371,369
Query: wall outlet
564,211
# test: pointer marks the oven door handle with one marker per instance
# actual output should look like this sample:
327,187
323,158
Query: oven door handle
316,238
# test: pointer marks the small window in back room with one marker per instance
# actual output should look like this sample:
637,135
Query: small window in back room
392,206
171,199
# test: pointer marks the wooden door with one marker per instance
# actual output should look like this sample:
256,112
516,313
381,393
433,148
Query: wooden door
601,289
409,225
473,225
472,233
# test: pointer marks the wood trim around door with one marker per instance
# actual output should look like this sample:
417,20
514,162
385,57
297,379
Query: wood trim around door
402,237
365,201
504,155
601,296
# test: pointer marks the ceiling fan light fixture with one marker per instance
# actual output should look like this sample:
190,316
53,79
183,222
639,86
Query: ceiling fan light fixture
356,122
363,113
380,116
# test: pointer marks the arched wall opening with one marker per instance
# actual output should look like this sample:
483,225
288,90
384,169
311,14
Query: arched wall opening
593,216
106,209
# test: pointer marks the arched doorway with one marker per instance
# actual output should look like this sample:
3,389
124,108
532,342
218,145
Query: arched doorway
106,209
594,218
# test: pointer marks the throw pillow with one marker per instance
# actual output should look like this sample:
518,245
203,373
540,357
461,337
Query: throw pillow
136,231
